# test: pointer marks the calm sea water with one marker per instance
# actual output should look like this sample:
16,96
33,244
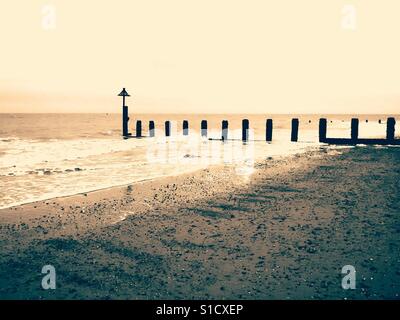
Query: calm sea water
49,155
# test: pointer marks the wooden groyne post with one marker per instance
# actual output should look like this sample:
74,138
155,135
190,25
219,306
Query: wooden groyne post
268,130
203,126
354,129
125,115
225,130
138,129
245,130
322,129
167,128
295,130
151,128
390,129
354,139
185,127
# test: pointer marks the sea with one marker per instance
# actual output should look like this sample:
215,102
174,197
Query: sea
43,156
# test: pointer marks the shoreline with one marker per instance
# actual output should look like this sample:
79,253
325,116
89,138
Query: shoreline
119,190
30,210
47,195
83,193
283,233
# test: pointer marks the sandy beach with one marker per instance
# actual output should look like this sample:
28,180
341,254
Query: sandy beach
285,232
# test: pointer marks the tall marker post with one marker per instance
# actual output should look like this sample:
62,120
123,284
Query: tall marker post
125,117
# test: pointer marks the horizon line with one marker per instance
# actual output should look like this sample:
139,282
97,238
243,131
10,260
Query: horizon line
193,113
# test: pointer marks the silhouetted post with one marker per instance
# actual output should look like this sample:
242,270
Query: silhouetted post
295,130
390,129
125,120
151,128
125,117
379,121
268,130
167,128
204,128
225,130
245,130
138,129
185,127
322,129
354,129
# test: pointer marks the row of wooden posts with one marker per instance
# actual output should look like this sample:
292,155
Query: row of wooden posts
354,138
204,128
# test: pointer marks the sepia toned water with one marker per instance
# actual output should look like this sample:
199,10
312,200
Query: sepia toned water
50,155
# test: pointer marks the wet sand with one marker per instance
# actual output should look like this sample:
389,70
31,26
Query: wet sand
283,233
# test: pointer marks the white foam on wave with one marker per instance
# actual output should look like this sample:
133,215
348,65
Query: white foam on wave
26,155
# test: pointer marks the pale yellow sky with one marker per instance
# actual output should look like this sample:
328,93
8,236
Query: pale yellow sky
200,56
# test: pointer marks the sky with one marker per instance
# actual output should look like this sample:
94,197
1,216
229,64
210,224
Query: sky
200,56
